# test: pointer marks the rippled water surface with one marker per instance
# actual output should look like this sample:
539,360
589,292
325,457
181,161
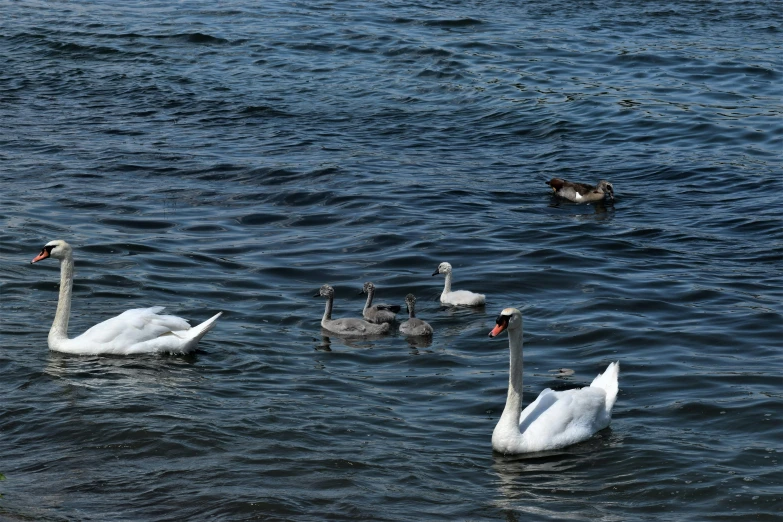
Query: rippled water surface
236,156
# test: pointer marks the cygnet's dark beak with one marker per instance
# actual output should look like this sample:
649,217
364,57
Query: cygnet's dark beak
436,272
317,294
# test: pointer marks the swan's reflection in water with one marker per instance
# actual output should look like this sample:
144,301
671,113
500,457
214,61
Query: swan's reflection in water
325,344
419,342
351,342
530,481
124,376
602,210
459,320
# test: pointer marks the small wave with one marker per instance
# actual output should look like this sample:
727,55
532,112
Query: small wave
263,110
201,38
137,224
459,22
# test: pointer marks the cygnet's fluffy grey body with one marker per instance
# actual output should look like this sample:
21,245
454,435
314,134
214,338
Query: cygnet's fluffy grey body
414,327
379,313
347,326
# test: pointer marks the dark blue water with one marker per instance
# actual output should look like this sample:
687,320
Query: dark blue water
236,156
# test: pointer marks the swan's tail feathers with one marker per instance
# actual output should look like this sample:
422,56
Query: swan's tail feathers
200,330
608,382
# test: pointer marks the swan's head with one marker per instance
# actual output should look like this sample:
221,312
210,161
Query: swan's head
325,291
368,287
58,249
509,319
606,188
443,268
410,301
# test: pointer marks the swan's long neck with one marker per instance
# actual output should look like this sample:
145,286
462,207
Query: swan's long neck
447,284
328,310
370,293
59,330
510,417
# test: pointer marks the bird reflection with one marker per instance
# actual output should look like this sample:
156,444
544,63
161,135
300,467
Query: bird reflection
325,346
601,210
351,342
136,376
543,475
419,342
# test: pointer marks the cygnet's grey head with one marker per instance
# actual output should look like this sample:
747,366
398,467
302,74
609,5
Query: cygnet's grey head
325,291
57,249
410,302
443,268
368,287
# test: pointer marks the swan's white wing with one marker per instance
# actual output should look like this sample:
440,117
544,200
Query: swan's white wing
558,419
133,326
535,409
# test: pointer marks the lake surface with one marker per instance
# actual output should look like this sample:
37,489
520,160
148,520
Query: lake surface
236,156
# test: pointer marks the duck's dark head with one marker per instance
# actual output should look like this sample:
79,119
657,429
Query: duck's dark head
607,189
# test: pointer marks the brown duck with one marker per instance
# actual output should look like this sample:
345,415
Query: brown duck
581,193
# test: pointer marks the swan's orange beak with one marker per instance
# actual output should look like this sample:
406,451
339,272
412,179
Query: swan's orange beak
502,321
497,329
43,255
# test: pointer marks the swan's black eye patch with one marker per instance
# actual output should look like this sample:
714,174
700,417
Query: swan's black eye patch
502,319
48,249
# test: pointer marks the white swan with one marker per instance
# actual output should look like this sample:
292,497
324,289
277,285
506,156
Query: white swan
555,419
414,327
457,297
348,326
136,331
380,312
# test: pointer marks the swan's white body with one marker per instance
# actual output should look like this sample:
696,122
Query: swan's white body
414,327
347,326
457,297
555,419
137,331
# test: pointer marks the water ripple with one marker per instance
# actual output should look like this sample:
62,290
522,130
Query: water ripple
236,158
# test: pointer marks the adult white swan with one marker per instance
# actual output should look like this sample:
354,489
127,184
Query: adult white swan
136,331
555,419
